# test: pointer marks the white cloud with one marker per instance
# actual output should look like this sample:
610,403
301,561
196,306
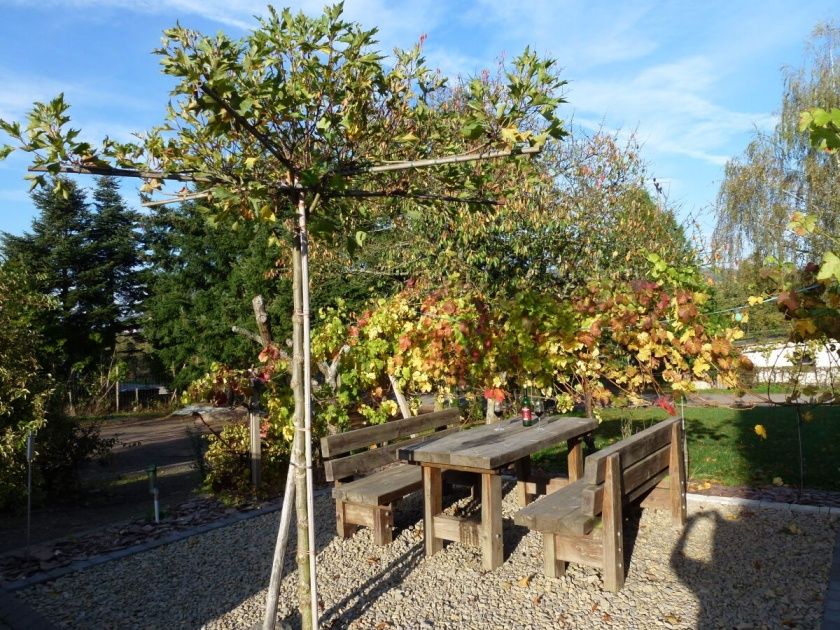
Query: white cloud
671,105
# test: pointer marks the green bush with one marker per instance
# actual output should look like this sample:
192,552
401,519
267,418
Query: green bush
227,465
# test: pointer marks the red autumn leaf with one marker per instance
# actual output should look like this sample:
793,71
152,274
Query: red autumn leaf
789,300
494,394
667,405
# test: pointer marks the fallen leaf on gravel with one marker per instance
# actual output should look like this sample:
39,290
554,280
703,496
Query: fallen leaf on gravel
382,625
536,601
525,582
372,560
595,607
732,517
793,528
606,617
672,618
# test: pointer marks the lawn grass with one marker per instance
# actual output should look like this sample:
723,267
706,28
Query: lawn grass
724,448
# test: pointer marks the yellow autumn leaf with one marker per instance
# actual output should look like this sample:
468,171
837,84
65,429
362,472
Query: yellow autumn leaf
793,528
805,327
525,581
808,416
760,431
753,300
700,367
777,481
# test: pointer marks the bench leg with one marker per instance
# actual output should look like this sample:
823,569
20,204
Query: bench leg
676,472
612,518
523,475
492,545
554,568
432,506
575,446
343,528
383,525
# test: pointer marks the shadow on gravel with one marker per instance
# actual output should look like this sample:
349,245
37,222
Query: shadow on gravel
371,589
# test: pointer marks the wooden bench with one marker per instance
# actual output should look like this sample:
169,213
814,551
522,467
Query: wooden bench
646,467
368,481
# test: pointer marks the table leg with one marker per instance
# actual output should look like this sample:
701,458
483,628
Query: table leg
575,459
492,547
523,474
432,506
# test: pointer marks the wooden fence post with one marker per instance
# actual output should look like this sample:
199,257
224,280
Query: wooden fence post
255,419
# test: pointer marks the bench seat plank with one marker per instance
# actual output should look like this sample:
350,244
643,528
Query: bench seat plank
558,512
381,487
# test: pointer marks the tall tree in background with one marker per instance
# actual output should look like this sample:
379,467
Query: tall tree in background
56,255
88,260
114,287
780,173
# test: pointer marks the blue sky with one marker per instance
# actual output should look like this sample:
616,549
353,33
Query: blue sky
692,79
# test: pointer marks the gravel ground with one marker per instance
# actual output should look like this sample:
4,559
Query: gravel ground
728,568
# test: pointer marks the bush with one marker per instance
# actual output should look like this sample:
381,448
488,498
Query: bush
227,465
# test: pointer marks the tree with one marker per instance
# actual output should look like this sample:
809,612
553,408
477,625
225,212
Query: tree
88,260
579,212
781,172
285,124
57,256
113,282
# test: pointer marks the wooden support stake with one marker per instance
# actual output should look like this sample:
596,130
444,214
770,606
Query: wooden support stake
254,420
676,471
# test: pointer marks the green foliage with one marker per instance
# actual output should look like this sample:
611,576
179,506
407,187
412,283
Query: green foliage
88,261
201,281
613,341
24,388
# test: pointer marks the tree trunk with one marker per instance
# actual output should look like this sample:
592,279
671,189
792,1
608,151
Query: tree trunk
298,454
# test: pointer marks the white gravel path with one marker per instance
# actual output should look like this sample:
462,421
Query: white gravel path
728,568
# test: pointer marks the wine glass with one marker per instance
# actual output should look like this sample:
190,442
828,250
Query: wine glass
539,410
498,409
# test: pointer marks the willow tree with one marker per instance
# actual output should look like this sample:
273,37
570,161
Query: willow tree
781,172
303,122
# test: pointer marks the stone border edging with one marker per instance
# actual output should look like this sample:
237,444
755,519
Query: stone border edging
760,504
80,565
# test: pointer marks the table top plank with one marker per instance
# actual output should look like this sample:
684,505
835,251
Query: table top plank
485,448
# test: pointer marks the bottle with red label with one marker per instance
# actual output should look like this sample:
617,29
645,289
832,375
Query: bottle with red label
527,414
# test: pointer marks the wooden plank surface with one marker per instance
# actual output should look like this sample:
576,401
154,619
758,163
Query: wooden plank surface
382,486
633,476
333,445
549,512
370,460
632,449
483,447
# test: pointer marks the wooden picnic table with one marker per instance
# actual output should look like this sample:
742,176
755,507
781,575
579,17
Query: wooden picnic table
485,451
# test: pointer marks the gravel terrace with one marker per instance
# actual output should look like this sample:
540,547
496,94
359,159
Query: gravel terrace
728,568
